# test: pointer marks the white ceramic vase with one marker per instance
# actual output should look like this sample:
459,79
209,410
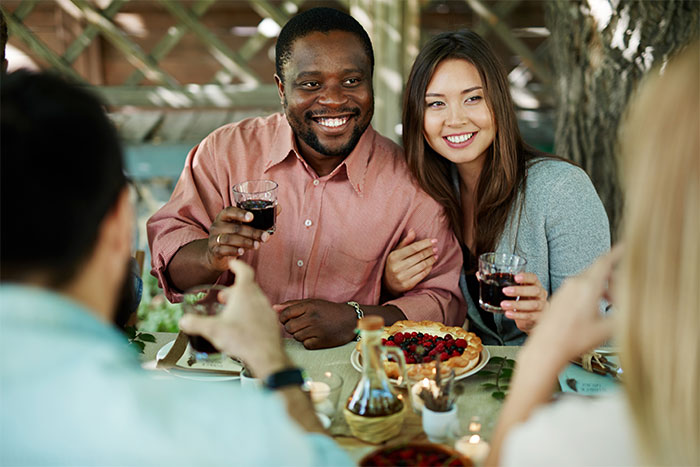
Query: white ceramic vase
437,424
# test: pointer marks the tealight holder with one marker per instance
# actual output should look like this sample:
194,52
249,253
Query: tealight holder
435,397
324,387
472,444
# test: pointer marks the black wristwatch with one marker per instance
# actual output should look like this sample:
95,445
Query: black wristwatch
283,378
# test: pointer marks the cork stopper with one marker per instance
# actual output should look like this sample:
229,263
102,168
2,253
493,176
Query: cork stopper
370,323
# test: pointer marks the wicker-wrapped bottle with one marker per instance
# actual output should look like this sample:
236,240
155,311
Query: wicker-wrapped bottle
374,411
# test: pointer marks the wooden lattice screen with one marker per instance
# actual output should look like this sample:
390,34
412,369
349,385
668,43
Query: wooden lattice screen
242,84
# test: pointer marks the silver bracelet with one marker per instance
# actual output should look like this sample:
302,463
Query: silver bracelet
358,310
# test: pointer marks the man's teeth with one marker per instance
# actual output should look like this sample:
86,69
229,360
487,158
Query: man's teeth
459,138
332,122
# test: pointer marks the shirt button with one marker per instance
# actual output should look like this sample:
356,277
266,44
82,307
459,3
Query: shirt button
316,182
300,263
307,222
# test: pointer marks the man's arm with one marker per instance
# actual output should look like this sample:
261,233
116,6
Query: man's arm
195,233
320,324
437,297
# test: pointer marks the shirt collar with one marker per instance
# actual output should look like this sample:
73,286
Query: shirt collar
355,165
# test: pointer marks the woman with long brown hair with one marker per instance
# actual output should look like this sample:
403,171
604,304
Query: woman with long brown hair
654,417
463,145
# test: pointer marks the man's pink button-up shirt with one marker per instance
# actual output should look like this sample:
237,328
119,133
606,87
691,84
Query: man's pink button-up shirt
333,234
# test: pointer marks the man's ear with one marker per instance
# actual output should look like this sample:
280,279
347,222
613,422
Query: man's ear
280,88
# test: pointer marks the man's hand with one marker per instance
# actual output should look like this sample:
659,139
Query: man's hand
247,328
229,237
318,324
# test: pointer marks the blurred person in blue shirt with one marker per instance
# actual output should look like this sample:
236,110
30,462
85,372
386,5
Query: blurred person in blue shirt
71,391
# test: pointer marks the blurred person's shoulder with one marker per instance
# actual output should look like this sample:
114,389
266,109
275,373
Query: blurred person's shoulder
575,430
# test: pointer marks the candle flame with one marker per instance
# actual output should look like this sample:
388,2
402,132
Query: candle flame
474,439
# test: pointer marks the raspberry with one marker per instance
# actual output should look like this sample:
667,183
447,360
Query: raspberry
444,356
448,337
390,343
412,348
427,359
455,353
461,343
398,338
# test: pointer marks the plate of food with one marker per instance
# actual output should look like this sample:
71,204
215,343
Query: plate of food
422,341
428,454
225,370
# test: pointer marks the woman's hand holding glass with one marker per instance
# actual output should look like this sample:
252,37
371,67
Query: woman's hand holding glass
409,263
529,301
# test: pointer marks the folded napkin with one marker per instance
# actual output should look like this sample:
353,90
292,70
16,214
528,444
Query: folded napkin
181,357
576,379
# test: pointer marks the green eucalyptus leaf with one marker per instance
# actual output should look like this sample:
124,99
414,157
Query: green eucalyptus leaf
489,386
509,363
500,395
496,360
507,372
147,337
487,373
130,332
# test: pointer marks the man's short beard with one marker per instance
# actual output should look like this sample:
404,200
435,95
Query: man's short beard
310,138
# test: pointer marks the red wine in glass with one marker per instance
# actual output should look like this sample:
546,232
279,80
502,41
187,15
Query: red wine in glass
491,290
263,213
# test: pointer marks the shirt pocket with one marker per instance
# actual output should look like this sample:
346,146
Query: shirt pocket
348,268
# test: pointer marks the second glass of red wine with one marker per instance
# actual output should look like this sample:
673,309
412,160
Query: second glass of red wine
203,300
258,197
497,270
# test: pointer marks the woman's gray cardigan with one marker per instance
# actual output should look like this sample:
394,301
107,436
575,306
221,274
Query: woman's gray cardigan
560,230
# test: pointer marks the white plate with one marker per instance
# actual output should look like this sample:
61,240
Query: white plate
483,360
191,374
606,350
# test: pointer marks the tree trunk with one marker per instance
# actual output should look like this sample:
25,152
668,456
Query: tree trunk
600,51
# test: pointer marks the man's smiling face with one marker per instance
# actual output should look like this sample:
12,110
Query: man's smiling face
327,93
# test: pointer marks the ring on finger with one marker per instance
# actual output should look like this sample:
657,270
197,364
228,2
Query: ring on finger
218,239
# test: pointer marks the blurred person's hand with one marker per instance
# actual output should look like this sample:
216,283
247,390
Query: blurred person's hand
247,328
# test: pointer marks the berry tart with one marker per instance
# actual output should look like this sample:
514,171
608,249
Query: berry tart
423,342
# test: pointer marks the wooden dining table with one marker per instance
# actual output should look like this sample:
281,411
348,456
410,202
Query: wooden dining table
474,400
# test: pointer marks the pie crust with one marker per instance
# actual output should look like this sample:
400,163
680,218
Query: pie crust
461,364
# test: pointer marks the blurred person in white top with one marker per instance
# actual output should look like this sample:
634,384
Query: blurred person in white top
654,282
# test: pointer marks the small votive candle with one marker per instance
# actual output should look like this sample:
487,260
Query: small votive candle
473,447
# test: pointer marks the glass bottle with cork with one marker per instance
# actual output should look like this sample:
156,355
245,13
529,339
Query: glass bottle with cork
374,411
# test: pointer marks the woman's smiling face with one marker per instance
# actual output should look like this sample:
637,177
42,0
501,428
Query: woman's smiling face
458,123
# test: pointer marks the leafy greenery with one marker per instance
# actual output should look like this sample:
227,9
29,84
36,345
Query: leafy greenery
156,313
137,338
501,369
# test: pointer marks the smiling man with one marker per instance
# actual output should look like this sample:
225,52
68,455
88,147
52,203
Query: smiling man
346,193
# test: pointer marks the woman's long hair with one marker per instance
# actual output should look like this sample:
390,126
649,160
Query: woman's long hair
657,289
504,170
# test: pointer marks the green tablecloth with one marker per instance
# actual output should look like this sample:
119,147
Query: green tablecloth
473,401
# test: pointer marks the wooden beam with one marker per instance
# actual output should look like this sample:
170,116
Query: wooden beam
132,52
222,53
170,40
515,44
18,29
85,39
192,96
23,9
256,42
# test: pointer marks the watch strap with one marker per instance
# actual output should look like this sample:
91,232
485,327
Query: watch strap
283,378
358,310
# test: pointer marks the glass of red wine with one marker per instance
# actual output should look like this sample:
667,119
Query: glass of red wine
258,197
203,300
497,270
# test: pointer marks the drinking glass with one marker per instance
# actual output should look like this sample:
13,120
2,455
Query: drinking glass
258,197
324,387
497,270
203,300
